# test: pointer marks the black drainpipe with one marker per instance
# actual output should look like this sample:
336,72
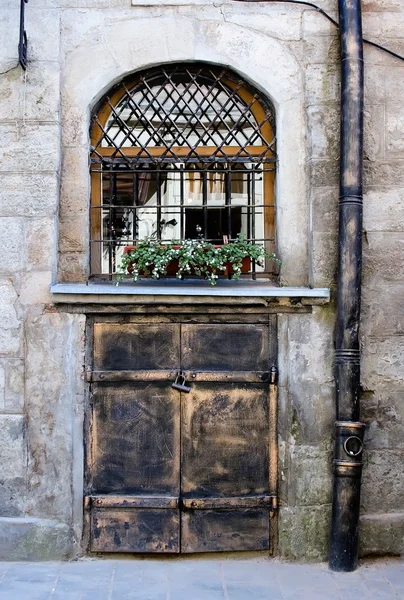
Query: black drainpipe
349,431
343,554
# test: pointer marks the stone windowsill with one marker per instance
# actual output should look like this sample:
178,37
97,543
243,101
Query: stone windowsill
229,292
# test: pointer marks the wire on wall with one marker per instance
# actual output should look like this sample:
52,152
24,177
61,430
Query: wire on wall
333,21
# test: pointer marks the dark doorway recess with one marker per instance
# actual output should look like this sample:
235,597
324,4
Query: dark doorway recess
172,471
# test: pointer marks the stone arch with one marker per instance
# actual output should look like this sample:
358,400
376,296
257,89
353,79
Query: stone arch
125,47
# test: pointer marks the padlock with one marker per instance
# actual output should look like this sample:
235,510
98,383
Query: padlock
179,384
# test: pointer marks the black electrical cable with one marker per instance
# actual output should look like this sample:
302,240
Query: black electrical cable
327,16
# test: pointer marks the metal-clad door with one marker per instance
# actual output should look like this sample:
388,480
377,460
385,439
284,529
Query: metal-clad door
181,472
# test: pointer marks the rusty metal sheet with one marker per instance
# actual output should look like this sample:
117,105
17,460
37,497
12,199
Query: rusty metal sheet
190,376
220,347
223,530
228,376
133,346
225,440
135,446
134,376
134,530
121,501
230,503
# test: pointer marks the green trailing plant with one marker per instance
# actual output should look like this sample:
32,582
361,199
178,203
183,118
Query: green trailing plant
152,258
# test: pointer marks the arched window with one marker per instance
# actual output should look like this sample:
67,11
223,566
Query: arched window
181,151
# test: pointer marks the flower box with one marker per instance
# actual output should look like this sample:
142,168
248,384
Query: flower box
173,265
151,258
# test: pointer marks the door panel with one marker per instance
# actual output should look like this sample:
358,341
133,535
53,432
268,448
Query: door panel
132,346
170,471
219,347
135,438
221,530
138,530
224,440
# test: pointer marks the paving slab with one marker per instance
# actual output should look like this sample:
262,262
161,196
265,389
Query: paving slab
198,578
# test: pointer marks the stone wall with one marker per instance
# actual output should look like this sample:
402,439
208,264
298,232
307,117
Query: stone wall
77,50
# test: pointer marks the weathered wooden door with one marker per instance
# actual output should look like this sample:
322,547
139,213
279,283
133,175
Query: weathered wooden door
170,471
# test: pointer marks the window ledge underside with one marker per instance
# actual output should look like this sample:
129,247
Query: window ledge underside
181,292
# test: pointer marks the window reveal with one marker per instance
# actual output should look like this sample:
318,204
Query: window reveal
181,152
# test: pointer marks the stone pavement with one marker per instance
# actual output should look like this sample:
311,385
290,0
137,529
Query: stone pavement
253,578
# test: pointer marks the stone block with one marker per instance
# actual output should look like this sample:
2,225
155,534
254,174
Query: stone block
304,533
310,476
13,465
381,534
372,24
31,146
395,81
41,91
383,209
383,258
376,56
75,181
9,33
324,172
12,247
323,50
32,94
324,259
2,387
41,241
382,362
382,311
392,25
44,33
92,25
74,232
34,539
382,481
12,385
375,84
374,132
324,209
314,24
322,83
28,194
11,86
395,129
384,416
75,128
10,324
54,361
35,288
382,6
382,172
73,267
323,122
310,381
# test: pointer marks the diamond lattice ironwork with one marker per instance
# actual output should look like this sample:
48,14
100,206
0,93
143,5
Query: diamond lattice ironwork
183,114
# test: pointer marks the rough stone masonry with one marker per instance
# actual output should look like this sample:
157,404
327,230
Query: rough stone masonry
77,50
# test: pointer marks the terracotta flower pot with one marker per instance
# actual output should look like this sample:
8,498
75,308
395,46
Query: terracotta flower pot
245,266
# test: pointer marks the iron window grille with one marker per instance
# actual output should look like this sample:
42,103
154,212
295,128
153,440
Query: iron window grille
179,152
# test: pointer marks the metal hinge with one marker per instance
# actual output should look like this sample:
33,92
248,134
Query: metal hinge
273,379
273,506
